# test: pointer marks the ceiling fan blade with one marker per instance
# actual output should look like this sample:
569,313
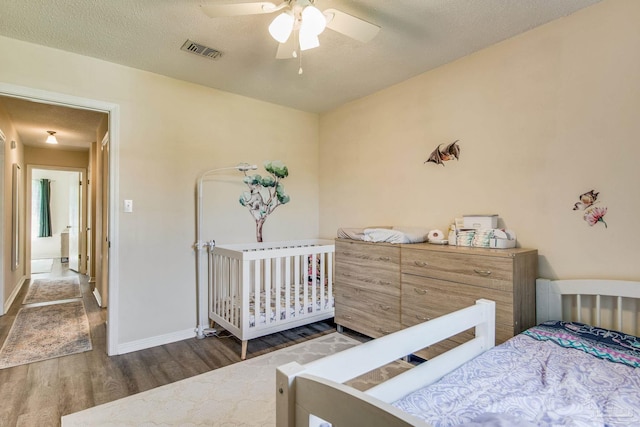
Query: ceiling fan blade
350,26
239,9
286,49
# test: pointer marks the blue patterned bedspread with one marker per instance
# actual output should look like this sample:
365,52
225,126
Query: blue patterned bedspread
555,374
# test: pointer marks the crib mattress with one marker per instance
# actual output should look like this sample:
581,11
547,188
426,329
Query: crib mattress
323,301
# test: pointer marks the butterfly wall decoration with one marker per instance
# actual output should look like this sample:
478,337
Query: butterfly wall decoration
592,214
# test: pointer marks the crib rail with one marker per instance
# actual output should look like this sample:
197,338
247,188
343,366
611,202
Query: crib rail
257,289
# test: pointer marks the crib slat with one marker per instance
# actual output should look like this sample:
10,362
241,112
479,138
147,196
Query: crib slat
257,303
277,287
323,290
598,313
305,288
296,275
314,278
287,287
235,278
268,296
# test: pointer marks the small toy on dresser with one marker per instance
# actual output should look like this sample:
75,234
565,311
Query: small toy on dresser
436,237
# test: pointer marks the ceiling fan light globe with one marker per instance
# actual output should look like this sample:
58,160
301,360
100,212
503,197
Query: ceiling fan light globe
308,40
313,20
282,26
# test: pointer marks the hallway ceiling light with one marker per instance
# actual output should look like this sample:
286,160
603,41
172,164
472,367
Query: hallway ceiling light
51,139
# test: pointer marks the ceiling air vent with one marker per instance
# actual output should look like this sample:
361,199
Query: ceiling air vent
201,50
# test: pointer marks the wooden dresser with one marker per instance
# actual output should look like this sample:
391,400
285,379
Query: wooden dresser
380,288
367,287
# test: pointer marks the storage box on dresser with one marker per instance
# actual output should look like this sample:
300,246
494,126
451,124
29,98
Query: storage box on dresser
367,287
441,279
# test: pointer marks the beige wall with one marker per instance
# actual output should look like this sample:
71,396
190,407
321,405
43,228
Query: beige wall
541,118
170,131
56,158
12,278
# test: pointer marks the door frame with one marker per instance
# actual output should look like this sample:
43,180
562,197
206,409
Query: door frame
82,215
113,110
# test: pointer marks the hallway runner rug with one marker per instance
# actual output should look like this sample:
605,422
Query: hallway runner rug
53,289
242,394
44,332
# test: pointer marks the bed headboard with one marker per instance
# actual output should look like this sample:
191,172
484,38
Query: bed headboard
612,304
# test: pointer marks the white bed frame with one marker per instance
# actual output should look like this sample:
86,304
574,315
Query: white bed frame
308,395
277,273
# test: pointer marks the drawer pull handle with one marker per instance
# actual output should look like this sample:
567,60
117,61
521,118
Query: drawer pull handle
482,272
346,316
420,263
384,283
384,307
384,258
384,331
424,319
420,291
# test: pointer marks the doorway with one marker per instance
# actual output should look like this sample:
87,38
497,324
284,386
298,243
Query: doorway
57,218
112,110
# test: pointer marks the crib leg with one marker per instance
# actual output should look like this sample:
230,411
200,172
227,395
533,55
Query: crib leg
243,354
212,324
340,328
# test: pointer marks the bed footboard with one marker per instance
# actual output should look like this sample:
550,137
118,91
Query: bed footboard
313,393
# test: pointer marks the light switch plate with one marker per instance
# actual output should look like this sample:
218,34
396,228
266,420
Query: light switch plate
128,205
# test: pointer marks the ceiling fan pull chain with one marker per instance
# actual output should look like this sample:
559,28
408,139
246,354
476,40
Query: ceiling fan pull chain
299,51
300,59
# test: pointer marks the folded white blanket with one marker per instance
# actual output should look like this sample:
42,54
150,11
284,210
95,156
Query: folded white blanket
396,235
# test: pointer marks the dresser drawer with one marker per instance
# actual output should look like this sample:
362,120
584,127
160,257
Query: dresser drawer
374,258
366,278
425,298
478,270
378,304
370,323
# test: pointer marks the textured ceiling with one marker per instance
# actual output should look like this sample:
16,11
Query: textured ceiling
416,35
75,128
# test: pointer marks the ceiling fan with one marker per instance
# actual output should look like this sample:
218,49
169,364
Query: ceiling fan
299,24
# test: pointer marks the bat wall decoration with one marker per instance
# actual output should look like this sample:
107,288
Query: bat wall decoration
450,152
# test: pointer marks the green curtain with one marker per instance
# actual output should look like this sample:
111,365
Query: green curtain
45,208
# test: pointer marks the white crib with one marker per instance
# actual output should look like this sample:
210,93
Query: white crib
261,288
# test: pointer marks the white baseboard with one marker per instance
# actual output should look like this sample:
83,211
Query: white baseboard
98,297
129,347
14,294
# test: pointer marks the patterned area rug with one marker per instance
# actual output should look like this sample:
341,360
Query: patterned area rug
242,394
55,289
45,332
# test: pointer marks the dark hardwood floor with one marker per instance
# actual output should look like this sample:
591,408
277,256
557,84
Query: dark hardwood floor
38,394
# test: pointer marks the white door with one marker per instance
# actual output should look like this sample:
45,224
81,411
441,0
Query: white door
74,221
